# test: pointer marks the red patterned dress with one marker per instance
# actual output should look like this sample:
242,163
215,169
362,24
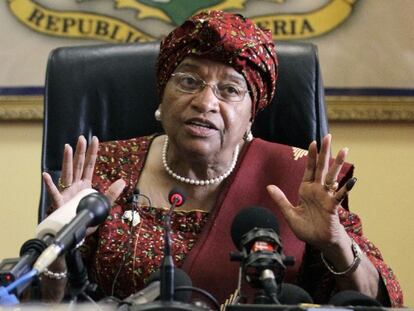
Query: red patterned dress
127,248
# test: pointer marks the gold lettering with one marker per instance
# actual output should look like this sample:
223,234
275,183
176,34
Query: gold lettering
52,23
279,27
68,23
75,24
306,27
101,28
114,32
36,17
82,29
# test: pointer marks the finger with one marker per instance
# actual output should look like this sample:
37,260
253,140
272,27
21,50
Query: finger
67,165
323,159
341,194
333,172
53,191
115,190
309,174
280,200
90,160
79,158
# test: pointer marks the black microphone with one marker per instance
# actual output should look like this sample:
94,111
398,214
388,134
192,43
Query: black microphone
255,232
291,294
13,268
353,298
176,197
91,211
134,197
152,291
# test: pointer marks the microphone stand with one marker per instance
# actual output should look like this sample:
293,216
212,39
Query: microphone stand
167,303
167,266
78,280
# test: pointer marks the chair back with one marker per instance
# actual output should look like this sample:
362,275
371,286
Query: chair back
110,91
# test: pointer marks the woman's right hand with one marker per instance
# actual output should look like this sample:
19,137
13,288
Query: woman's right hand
77,172
76,175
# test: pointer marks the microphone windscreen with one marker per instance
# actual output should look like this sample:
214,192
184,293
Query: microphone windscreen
249,218
291,294
178,195
62,216
180,279
97,204
353,298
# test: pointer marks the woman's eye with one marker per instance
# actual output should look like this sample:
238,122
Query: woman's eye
231,90
189,81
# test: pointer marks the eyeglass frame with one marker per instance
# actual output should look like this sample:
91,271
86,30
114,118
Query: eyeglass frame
214,87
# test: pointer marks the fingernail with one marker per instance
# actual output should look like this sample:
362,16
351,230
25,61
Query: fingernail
350,183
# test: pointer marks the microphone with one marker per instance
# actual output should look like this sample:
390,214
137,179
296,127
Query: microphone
176,197
255,232
152,291
353,298
291,294
61,216
134,197
91,211
13,268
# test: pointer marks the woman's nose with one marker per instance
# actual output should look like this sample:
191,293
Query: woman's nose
206,100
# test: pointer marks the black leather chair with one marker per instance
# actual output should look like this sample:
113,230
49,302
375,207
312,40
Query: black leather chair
109,91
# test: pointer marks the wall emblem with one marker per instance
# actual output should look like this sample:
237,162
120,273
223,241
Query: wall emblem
130,20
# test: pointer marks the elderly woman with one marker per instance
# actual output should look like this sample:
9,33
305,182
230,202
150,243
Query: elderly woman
215,72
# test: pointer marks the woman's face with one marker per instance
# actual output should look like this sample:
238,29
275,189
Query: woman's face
201,124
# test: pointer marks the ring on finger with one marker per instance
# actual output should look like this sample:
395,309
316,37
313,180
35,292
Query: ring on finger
331,186
61,185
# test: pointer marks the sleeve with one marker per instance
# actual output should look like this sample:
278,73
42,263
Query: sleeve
105,174
353,226
314,272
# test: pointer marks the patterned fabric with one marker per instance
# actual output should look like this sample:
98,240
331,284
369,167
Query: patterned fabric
130,254
228,38
129,246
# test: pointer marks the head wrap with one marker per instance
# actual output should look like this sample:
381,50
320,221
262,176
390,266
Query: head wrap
228,38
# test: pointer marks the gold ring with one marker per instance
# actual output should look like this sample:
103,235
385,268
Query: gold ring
331,186
61,185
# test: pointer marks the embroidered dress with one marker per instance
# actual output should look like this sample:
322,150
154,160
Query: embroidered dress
121,256
129,254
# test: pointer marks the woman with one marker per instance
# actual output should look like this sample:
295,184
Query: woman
215,72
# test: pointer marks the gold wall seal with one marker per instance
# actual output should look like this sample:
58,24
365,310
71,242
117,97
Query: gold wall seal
307,25
75,24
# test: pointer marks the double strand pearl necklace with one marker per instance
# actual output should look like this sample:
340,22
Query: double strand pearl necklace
197,182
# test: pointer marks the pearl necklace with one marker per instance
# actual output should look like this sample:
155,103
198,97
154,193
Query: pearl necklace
196,182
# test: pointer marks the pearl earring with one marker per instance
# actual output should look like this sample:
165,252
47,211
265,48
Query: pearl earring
157,114
248,136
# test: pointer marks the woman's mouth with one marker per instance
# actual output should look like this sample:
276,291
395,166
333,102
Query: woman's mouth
200,127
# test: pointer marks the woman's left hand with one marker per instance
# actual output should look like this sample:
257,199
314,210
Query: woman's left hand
315,220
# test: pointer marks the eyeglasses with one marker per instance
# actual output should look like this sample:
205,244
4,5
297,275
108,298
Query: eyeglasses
191,83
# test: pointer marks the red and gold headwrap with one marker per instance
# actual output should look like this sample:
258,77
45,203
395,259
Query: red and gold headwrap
228,38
